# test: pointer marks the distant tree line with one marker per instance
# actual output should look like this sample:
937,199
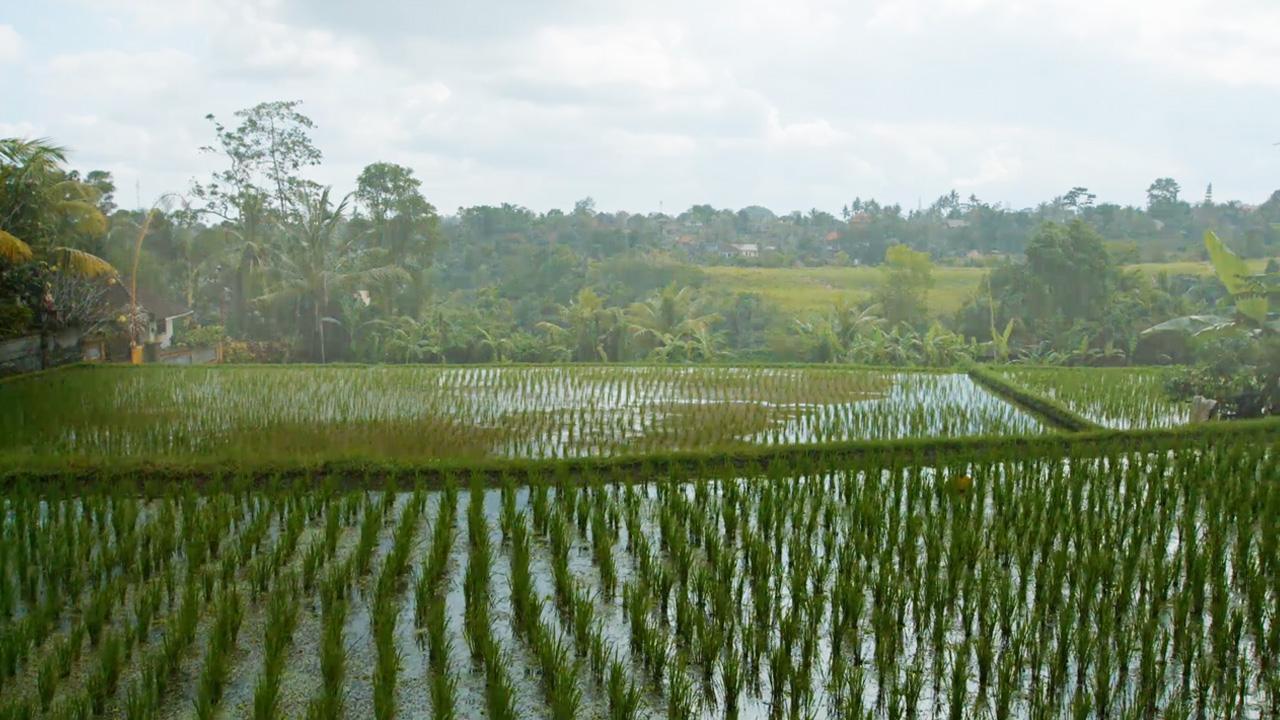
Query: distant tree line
290,271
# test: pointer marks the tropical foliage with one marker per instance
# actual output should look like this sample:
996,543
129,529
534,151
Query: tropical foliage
380,276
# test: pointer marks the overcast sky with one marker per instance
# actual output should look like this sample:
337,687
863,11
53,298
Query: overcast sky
790,104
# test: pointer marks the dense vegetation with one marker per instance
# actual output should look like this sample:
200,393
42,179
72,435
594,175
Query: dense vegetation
292,272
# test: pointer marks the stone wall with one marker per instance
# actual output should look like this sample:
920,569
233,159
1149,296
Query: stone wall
24,354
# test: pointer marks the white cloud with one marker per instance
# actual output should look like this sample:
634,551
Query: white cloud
1227,41
815,133
649,145
111,75
788,103
265,44
643,57
997,166
20,130
12,45
425,94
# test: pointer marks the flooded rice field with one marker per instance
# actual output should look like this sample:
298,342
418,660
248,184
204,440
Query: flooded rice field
431,412
1124,586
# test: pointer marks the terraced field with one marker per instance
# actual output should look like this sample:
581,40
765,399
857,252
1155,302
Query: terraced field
421,412
475,548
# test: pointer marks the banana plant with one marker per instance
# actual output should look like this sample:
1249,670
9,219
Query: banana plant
1000,341
1252,295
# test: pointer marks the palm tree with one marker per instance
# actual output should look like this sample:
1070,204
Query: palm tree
411,339
592,329
315,260
501,348
669,317
40,207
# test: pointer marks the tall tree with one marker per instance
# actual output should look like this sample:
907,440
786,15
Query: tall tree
315,261
267,152
402,223
903,295
1162,191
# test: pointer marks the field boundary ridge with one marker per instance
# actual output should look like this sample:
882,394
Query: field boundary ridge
372,472
1050,411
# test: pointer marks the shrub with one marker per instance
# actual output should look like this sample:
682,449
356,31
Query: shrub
15,319
201,337
242,351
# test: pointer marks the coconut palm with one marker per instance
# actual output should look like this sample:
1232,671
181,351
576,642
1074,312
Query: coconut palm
848,331
410,340
314,260
592,330
669,317
40,207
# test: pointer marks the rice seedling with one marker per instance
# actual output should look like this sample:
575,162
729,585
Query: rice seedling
328,705
624,696
222,640
102,680
383,613
436,568
282,619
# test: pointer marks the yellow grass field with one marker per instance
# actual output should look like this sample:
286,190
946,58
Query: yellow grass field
817,290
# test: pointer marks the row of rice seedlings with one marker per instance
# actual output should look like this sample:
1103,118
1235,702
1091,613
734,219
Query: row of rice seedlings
574,601
160,664
336,594
556,668
217,659
1050,575
434,572
683,587
265,568
158,667
383,612
429,610
321,552
282,619
486,652
115,645
329,703
370,526
131,561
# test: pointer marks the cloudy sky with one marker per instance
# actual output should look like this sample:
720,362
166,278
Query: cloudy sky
791,104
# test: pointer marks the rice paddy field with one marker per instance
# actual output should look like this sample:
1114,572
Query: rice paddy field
426,412
1124,585
1120,398
579,554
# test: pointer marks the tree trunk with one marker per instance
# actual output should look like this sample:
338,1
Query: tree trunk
321,302
320,330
